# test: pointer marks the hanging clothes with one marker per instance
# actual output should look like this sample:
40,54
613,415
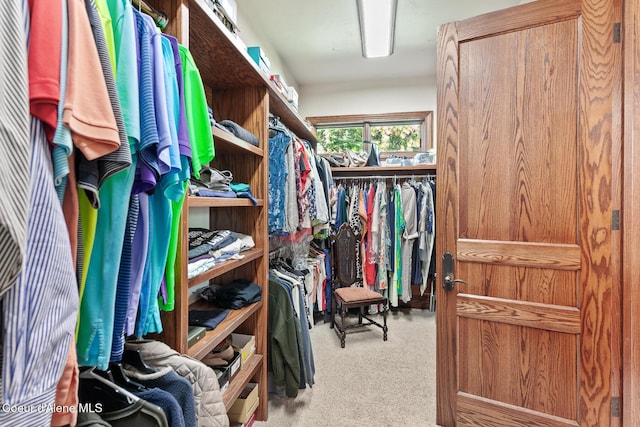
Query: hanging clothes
409,234
398,233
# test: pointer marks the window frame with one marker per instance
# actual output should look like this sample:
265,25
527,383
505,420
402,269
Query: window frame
423,118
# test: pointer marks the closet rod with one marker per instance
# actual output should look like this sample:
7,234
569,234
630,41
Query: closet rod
160,18
370,177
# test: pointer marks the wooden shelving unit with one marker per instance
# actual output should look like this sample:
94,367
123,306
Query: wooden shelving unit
236,90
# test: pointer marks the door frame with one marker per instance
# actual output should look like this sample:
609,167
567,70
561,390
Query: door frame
631,216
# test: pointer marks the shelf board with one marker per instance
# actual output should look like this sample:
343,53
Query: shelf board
211,44
226,266
228,142
384,170
241,379
279,106
220,202
223,330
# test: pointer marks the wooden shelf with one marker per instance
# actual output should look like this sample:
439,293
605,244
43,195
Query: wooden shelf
384,170
220,202
226,266
209,38
241,379
223,330
231,143
279,106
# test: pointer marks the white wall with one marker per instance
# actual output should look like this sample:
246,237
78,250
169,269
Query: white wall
389,96
251,38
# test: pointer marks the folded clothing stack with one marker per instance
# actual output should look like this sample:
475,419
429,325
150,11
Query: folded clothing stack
238,131
203,241
210,247
207,319
235,295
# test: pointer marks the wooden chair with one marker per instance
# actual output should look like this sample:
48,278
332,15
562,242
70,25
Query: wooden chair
343,246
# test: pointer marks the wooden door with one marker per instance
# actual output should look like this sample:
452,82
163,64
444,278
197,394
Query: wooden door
525,103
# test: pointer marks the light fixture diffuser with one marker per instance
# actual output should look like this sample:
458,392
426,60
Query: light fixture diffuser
377,20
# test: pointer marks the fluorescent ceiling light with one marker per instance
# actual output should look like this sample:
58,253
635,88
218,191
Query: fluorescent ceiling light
377,24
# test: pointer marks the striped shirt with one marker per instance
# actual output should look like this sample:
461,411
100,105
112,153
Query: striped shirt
14,142
40,311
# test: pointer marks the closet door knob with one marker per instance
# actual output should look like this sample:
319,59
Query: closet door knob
448,280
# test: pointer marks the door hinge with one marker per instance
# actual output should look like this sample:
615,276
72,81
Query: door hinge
616,32
615,406
615,220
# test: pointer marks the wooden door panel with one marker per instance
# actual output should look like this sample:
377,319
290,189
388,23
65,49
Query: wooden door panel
474,411
530,368
558,256
539,285
518,165
524,152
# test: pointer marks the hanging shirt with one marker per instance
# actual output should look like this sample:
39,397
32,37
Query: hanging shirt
427,234
40,310
371,259
148,170
195,101
139,259
409,234
395,288
385,242
45,47
97,315
62,143
87,110
167,300
278,144
15,149
125,41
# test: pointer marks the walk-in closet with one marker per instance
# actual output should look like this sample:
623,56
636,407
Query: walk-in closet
380,213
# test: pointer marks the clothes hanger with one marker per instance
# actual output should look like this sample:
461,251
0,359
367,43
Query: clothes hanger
120,378
134,359
100,389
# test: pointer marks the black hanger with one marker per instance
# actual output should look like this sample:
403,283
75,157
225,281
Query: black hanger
133,358
94,387
121,379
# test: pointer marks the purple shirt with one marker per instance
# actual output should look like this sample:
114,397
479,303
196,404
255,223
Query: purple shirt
160,98
183,129
148,170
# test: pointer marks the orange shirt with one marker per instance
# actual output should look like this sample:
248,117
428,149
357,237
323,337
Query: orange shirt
87,108
45,46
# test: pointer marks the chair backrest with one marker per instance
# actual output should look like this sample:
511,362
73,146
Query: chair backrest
344,245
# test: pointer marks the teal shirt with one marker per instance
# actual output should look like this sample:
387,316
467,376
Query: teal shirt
124,35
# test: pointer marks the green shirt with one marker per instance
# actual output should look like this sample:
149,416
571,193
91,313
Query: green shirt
202,150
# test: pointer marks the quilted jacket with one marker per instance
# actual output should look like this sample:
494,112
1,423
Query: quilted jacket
210,410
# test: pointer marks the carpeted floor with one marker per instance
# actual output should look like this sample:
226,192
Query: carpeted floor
369,383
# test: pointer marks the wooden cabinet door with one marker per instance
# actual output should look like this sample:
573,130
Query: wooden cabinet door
525,101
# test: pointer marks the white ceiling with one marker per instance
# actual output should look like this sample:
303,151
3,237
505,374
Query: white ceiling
319,41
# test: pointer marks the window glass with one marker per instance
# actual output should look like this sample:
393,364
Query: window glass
403,137
334,140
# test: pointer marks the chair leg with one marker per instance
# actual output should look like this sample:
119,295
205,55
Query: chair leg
384,318
343,333
333,311
360,316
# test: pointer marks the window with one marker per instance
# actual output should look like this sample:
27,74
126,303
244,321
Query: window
395,133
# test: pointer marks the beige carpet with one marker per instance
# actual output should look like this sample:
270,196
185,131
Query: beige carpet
369,383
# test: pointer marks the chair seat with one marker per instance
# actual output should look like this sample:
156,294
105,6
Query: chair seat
353,294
